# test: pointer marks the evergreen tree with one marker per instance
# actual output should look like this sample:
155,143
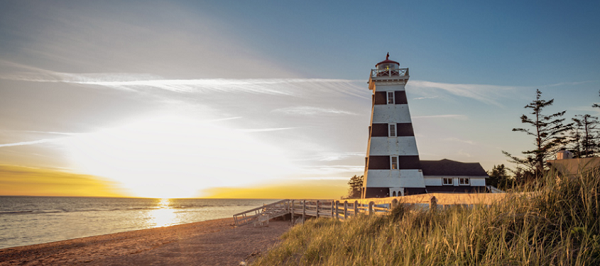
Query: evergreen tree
548,131
499,177
583,136
356,183
575,140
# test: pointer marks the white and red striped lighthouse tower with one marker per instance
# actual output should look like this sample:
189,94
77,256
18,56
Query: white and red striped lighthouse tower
392,166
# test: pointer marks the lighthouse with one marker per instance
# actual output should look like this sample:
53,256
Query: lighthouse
392,164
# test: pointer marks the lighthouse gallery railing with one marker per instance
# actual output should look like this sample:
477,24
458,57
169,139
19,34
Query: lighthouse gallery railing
399,72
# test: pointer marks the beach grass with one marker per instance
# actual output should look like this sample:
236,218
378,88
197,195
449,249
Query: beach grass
551,222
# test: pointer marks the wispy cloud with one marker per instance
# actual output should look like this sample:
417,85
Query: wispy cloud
586,108
39,141
20,72
460,140
450,116
327,157
285,87
41,132
480,92
322,178
423,98
30,142
143,82
310,110
265,129
330,170
463,153
573,83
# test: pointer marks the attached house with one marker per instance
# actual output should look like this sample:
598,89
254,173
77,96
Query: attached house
447,176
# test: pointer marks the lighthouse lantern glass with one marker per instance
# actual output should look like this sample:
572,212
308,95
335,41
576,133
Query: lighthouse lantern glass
387,66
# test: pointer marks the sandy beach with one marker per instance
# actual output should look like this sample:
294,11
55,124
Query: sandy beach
214,242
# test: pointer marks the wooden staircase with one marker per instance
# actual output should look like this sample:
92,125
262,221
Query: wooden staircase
273,210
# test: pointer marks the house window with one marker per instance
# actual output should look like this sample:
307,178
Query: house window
390,97
463,181
394,162
447,181
392,130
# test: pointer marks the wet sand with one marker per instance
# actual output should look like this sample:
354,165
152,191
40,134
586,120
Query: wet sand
214,242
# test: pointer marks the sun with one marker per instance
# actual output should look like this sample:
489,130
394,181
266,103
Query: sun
174,157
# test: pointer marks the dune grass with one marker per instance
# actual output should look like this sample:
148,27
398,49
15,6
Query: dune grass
549,223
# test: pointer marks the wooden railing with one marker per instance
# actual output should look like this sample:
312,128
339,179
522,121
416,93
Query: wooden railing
273,210
398,72
343,210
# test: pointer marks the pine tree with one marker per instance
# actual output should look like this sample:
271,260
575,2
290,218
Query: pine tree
583,136
548,131
499,177
356,183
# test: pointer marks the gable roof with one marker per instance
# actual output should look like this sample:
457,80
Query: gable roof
451,168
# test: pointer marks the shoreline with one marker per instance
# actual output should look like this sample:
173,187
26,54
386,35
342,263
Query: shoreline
211,242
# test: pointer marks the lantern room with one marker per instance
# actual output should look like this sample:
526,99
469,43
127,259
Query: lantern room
387,64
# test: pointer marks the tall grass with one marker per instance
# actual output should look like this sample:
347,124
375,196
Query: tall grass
549,223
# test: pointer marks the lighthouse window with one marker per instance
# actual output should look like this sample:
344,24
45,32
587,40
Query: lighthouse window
463,181
447,181
404,130
394,162
409,162
392,130
380,97
390,97
379,162
380,130
400,97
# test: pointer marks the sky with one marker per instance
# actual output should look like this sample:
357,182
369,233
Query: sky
269,99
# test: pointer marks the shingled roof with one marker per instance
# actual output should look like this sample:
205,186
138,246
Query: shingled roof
447,167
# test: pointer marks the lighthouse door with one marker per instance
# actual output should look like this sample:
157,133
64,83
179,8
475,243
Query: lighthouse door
396,191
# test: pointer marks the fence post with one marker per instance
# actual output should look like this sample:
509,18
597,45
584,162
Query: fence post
332,203
371,207
356,207
317,209
318,203
394,203
303,211
433,205
345,209
292,212
337,205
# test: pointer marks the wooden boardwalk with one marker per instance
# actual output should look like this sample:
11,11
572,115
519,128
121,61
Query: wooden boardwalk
342,210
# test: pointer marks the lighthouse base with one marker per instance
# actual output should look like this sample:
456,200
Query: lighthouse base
384,192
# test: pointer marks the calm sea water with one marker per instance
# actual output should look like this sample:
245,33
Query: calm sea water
35,220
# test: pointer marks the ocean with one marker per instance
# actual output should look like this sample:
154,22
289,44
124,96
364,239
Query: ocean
36,220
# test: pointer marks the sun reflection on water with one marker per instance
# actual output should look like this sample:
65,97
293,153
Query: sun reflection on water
164,215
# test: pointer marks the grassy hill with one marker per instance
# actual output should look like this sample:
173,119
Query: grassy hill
552,222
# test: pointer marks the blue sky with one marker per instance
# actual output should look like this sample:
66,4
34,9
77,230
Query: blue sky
287,78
